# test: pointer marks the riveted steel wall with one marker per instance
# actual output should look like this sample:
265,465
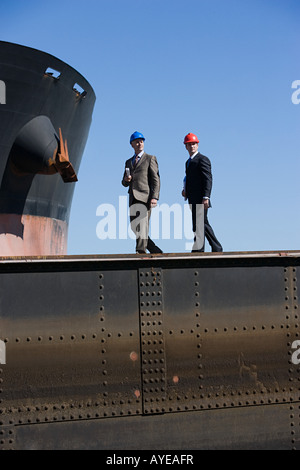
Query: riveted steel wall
152,340
158,352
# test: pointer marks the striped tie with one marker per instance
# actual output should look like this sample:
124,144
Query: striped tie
136,161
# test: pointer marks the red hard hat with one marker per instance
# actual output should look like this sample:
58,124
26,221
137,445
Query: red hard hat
189,138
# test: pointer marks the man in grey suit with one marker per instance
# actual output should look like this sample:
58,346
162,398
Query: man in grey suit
141,175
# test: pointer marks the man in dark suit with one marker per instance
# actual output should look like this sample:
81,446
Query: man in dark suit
142,176
197,190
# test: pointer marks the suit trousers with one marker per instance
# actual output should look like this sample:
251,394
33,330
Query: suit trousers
139,221
208,232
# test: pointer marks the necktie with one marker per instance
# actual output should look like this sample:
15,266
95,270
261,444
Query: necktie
188,162
136,161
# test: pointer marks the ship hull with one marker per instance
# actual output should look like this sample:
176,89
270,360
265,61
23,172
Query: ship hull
141,352
35,201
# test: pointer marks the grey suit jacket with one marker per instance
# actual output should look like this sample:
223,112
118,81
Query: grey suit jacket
145,183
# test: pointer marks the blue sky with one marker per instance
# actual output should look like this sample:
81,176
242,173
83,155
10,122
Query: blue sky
222,69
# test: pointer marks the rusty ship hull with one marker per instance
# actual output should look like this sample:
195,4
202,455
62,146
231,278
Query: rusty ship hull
42,96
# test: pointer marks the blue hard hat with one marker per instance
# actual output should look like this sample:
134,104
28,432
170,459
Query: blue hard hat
136,135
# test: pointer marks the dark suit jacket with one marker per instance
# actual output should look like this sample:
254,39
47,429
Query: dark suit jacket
145,183
198,179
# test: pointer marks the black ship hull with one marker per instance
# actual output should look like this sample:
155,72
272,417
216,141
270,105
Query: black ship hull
43,97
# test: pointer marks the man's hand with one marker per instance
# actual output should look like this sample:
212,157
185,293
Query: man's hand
127,178
153,203
205,202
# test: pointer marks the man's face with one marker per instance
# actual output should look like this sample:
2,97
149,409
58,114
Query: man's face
138,145
192,147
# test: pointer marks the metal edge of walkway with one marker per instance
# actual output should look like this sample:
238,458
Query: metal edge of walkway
148,257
